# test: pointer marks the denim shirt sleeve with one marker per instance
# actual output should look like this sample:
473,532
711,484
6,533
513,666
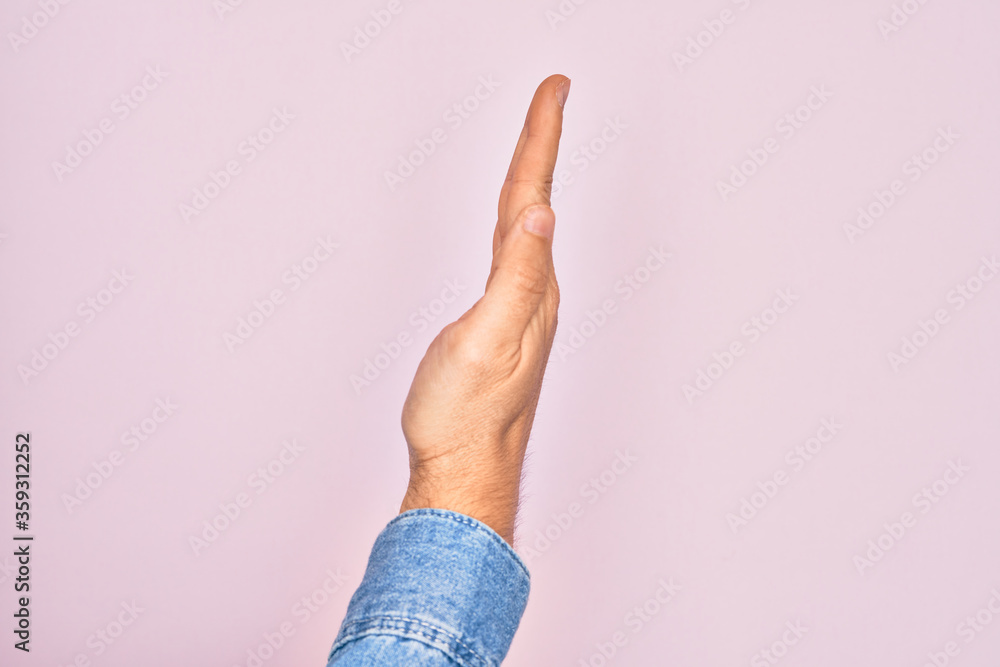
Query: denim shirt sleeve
441,588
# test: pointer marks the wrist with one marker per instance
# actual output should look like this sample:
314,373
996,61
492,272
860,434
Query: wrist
490,498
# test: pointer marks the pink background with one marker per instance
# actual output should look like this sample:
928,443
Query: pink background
652,182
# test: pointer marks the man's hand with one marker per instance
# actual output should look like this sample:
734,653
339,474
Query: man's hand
471,405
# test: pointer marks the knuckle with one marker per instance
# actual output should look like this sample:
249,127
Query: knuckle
469,351
529,279
544,187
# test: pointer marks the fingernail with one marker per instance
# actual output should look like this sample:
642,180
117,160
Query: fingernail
562,92
541,221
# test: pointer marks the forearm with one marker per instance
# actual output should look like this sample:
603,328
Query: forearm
488,493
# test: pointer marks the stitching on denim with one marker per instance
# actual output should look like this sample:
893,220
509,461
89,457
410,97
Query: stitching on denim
374,624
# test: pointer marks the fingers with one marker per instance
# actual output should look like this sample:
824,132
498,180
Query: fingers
522,279
501,228
529,177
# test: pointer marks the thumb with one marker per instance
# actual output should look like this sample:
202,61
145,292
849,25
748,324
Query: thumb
521,274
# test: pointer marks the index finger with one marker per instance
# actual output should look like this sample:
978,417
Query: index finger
529,179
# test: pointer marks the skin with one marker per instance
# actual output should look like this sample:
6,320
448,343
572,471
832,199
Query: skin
469,411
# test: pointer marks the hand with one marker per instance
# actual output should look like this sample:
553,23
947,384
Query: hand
470,408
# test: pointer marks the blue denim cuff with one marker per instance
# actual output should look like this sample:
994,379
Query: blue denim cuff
443,579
